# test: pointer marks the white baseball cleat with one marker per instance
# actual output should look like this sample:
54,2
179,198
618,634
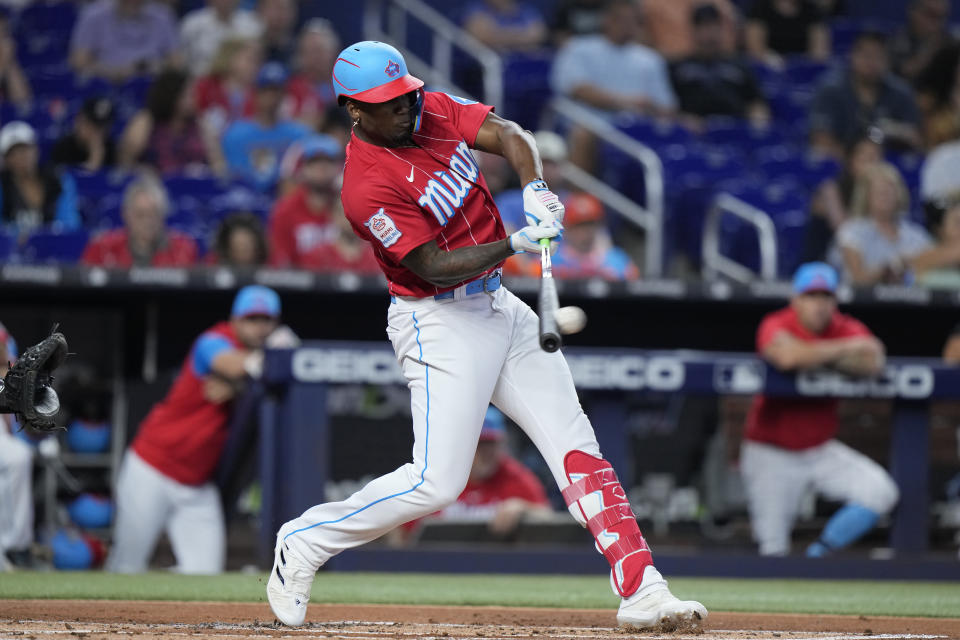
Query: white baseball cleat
288,589
653,606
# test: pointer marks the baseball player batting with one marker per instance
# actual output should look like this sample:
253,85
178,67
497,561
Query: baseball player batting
413,190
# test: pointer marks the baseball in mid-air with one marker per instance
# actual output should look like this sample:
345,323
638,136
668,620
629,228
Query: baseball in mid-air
570,319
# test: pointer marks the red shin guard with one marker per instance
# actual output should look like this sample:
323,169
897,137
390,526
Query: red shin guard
602,502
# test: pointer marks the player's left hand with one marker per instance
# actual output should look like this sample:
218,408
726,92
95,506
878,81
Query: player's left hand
541,206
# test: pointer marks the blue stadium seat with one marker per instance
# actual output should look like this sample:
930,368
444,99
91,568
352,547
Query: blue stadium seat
43,33
104,213
53,247
8,246
200,187
801,71
526,86
656,134
842,34
740,133
98,196
53,82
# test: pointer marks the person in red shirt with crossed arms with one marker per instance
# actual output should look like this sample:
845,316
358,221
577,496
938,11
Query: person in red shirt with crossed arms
789,445
500,490
165,481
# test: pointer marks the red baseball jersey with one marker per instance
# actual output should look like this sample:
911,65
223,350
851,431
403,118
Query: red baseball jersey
398,199
797,423
184,435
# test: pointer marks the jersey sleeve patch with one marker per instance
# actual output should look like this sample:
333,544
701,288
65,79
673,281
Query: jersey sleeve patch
383,228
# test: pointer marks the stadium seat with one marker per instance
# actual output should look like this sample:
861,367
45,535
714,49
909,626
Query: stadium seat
801,71
200,187
8,246
43,33
656,134
526,79
741,134
52,247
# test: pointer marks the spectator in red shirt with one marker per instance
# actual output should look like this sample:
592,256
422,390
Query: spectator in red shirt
311,86
500,490
144,241
790,446
301,221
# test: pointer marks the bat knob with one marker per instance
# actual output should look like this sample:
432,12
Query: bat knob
549,342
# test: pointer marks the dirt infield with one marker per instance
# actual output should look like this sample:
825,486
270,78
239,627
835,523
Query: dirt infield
113,620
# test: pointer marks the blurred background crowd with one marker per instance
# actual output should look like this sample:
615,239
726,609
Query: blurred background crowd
142,132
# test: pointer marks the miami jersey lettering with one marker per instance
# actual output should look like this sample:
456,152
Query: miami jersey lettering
445,193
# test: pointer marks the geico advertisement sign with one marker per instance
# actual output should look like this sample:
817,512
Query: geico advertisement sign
656,373
377,366
910,381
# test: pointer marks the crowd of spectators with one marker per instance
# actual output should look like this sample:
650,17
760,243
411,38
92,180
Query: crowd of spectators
237,92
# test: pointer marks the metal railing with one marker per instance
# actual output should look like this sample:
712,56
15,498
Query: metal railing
648,217
388,20
445,37
715,263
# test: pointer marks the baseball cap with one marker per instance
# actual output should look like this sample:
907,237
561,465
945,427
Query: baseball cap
256,300
320,145
14,133
272,74
815,276
493,426
582,207
99,110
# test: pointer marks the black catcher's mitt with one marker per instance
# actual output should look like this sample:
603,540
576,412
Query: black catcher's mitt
26,391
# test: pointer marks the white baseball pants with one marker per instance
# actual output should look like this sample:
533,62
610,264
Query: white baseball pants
16,496
458,355
776,479
149,502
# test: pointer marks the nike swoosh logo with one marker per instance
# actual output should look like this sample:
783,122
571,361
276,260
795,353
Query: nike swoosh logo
410,177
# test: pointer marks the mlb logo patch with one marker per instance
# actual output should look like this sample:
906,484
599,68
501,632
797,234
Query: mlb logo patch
383,229
393,68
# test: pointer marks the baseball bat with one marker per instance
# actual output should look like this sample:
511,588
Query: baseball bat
547,302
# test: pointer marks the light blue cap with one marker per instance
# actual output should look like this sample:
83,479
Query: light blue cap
256,300
815,276
493,425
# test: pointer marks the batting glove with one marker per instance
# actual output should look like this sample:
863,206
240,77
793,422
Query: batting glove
540,205
528,239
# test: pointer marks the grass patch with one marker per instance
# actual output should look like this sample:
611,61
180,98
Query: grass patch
935,599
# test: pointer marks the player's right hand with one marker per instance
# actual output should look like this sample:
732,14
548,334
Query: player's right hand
528,239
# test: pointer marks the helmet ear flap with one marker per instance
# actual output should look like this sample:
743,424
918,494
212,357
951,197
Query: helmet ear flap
418,110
